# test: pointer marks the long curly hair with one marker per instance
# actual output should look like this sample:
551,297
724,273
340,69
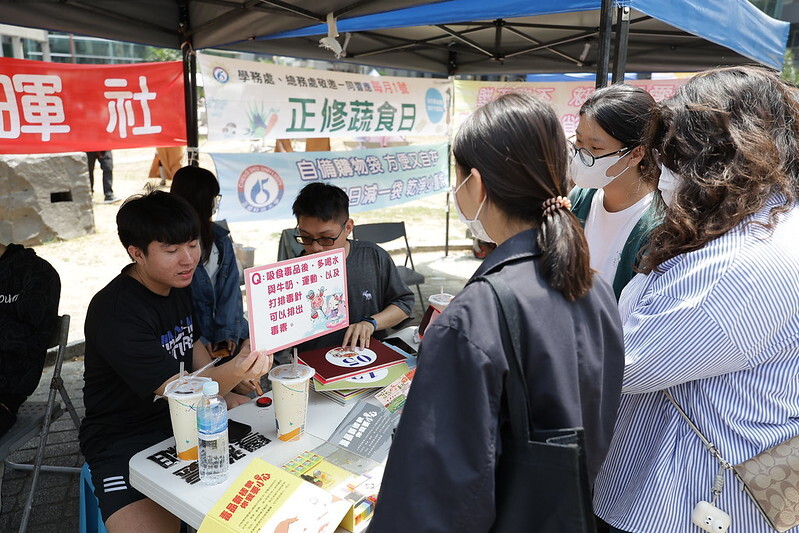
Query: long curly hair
732,135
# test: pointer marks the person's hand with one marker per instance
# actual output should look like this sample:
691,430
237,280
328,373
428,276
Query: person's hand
248,387
358,334
234,400
252,365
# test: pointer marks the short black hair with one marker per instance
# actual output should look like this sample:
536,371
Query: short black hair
322,201
156,216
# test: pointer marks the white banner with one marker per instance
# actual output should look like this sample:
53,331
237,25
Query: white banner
259,186
565,97
254,100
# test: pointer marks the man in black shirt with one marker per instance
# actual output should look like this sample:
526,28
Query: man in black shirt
139,329
29,293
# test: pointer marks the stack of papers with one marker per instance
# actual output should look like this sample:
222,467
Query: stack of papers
346,375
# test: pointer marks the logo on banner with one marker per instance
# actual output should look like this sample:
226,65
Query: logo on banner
434,104
260,188
221,75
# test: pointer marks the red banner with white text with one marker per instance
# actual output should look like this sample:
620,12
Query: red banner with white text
60,107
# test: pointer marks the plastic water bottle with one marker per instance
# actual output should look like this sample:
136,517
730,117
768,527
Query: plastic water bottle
212,435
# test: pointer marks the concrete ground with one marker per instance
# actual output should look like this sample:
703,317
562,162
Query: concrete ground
55,507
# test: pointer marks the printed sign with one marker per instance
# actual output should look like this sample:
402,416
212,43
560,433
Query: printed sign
565,97
254,100
297,300
60,107
259,186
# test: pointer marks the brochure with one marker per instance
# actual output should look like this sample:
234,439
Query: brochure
267,499
335,363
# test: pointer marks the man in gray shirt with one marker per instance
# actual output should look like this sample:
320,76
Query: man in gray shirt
378,298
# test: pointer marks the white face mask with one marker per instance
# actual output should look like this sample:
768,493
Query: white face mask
474,225
668,184
594,177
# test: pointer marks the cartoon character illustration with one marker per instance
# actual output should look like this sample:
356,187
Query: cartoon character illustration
334,306
317,302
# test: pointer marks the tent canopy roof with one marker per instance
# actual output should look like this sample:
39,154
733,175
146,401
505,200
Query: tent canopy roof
448,36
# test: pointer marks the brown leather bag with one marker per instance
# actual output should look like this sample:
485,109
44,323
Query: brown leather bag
770,478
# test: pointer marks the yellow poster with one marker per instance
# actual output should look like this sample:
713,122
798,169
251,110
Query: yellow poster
267,499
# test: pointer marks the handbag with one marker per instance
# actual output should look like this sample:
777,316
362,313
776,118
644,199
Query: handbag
541,477
770,478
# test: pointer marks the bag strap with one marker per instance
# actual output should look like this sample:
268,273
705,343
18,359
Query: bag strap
708,445
510,331
718,480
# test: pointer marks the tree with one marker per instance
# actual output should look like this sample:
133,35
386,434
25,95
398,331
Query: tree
162,54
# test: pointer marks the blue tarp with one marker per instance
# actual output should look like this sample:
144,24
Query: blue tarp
734,24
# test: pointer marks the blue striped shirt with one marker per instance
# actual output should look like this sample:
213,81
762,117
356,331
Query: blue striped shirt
719,327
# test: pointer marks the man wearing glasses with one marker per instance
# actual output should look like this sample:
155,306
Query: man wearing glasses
378,298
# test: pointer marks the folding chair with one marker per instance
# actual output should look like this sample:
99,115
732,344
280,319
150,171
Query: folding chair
383,232
288,247
34,418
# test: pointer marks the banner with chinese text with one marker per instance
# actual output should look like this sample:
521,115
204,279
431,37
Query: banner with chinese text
60,107
565,96
254,100
262,186
297,300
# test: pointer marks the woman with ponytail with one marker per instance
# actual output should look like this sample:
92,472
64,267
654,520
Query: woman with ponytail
511,160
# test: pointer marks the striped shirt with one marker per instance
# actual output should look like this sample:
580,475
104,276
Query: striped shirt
719,327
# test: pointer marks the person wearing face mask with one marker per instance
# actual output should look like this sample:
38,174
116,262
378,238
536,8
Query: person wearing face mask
714,315
215,289
611,199
511,177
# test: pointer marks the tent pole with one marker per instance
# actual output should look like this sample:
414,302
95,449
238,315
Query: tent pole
605,28
622,38
189,84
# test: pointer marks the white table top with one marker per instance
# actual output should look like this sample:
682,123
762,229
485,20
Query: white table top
191,502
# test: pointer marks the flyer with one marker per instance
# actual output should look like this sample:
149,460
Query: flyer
296,300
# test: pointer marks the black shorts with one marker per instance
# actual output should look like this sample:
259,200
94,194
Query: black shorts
111,473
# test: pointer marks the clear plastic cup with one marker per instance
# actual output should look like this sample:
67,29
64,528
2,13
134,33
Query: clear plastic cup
183,397
290,388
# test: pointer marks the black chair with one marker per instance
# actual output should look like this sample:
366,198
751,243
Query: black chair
34,418
288,247
383,232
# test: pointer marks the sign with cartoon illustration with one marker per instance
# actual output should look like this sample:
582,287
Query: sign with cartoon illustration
255,100
296,300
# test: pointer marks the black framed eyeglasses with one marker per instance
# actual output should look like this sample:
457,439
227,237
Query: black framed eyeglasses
588,158
323,241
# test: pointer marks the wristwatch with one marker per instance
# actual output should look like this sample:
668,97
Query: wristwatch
371,320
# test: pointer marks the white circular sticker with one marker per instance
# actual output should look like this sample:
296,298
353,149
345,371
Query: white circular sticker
351,358
370,377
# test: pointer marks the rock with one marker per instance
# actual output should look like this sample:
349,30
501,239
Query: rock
44,197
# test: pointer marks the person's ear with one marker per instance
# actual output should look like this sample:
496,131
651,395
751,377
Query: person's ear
348,226
477,189
136,253
637,155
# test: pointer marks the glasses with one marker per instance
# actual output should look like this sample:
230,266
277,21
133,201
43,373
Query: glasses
589,158
323,241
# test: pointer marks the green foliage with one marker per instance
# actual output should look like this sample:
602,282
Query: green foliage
789,70
162,54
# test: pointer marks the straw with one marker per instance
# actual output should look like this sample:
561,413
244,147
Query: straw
294,362
196,373
182,377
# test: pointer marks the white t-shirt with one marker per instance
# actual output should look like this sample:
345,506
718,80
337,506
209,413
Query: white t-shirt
213,263
607,232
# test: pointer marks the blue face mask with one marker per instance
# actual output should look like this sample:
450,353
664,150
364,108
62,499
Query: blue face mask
474,225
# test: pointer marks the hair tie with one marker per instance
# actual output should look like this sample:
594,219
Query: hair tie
555,203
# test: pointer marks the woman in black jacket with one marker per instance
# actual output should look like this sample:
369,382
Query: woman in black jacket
511,161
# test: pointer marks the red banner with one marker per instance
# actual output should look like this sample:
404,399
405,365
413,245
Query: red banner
60,107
